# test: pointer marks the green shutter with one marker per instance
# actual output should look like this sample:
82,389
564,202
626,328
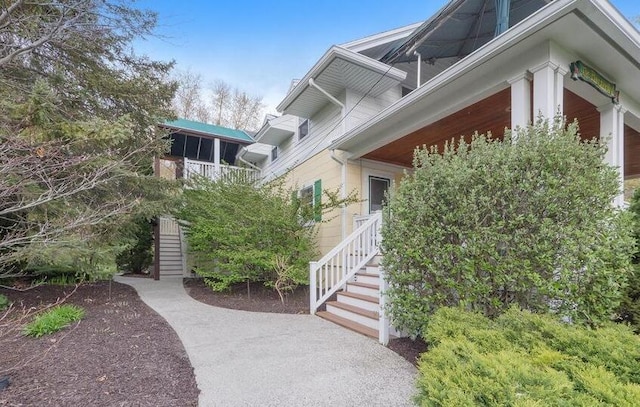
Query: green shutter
317,200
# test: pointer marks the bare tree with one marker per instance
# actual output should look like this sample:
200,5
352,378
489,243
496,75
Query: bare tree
221,100
188,102
245,110
227,106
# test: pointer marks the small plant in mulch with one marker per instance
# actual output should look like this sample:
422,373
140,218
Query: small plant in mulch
54,320
4,302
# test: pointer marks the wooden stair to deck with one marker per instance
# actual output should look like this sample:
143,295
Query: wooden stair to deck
347,323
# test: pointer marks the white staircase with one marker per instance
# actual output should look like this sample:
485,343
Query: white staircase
171,251
357,306
348,282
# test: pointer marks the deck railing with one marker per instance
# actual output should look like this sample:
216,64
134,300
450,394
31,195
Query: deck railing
331,273
217,172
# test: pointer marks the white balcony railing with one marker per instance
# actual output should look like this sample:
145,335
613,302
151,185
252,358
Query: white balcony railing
217,172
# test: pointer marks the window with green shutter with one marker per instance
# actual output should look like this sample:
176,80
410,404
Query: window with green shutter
311,201
317,200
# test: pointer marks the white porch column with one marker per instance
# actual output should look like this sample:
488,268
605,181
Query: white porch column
548,90
520,101
216,157
612,130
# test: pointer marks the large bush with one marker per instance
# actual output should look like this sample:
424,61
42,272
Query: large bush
523,359
629,311
490,223
238,232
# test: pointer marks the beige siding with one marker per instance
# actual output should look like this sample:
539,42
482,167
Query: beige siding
322,167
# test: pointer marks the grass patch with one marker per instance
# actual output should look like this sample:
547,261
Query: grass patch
54,320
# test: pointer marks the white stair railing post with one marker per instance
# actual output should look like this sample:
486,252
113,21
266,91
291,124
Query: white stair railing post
313,290
383,321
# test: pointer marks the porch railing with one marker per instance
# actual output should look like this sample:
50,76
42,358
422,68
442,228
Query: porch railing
217,172
331,273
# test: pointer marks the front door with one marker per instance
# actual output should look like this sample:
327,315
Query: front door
378,187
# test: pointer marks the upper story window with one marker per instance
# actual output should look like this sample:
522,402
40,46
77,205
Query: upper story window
274,153
303,129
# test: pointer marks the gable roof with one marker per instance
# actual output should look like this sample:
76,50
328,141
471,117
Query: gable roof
210,130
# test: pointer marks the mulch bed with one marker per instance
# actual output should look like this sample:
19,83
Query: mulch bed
257,298
408,349
121,354
263,299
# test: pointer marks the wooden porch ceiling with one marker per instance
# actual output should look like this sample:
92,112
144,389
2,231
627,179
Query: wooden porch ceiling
493,115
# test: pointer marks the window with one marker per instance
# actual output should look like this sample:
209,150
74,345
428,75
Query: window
177,144
274,153
303,129
378,188
193,145
310,201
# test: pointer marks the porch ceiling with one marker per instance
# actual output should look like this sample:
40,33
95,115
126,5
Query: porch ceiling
492,114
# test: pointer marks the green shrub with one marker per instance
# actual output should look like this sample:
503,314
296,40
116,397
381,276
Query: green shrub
237,231
4,302
488,224
629,311
138,253
54,320
523,359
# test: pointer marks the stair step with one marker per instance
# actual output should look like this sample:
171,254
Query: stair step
372,290
367,278
354,309
354,313
359,300
369,269
354,326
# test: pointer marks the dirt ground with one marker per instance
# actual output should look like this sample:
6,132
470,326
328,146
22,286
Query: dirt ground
121,354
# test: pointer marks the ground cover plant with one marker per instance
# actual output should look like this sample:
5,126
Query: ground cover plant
489,224
54,320
524,359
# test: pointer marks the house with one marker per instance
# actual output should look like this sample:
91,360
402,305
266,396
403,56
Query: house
196,149
353,121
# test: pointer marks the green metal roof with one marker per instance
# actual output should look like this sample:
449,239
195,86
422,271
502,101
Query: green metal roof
199,128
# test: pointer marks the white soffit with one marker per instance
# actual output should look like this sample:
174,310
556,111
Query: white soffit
337,70
277,129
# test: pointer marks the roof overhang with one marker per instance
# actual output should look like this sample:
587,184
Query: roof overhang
337,70
459,28
254,152
276,130
377,45
593,29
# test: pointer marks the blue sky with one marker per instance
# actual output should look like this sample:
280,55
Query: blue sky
260,46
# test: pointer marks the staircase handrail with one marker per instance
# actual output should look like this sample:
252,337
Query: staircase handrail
343,261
